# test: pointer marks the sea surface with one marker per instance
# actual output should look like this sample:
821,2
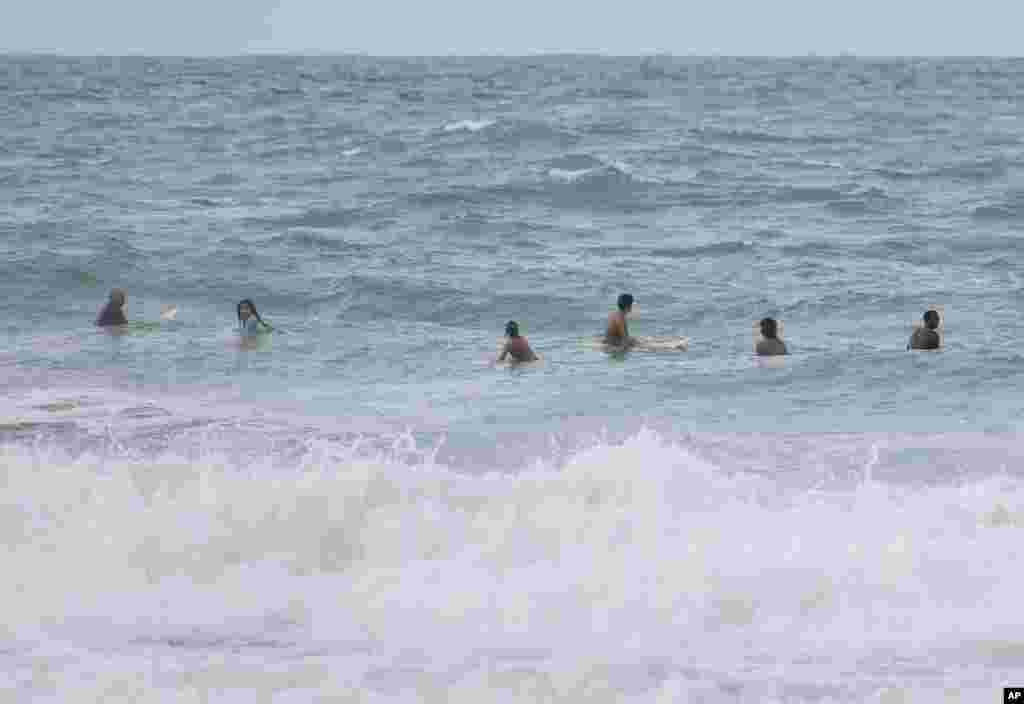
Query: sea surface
363,507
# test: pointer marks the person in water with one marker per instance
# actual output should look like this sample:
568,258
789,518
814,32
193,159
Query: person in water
113,311
770,344
926,337
249,320
617,332
516,345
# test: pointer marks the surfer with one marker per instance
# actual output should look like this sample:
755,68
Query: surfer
516,345
113,311
926,337
249,321
770,344
617,332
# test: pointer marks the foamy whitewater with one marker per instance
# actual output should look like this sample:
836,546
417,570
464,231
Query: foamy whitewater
640,572
363,508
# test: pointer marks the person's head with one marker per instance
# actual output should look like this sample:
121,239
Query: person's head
246,310
626,302
117,297
769,328
931,319
512,329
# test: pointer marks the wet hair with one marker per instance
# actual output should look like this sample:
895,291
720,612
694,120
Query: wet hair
512,328
930,317
255,314
112,313
769,328
625,301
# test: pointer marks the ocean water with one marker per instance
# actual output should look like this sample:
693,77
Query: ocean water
363,508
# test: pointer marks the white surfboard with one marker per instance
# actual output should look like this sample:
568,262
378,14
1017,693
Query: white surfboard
663,344
648,344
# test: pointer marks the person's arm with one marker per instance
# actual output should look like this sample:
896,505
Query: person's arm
111,315
504,353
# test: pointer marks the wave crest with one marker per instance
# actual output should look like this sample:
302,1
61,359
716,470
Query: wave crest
608,559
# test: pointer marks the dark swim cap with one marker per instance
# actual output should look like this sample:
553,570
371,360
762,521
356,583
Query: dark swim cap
930,316
769,327
512,328
626,301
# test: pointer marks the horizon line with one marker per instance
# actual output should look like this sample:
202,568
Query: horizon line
495,55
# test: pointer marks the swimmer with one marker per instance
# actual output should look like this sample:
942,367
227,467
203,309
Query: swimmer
249,321
113,311
771,344
516,346
926,337
617,332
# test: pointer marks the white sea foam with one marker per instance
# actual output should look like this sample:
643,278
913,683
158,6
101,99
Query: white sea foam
597,170
569,175
468,125
634,573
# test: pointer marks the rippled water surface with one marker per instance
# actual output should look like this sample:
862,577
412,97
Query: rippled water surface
390,216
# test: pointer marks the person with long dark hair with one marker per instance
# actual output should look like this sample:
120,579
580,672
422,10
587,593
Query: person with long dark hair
516,345
249,320
113,311
770,344
927,336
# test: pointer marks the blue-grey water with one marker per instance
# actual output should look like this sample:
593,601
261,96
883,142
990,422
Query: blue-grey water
365,505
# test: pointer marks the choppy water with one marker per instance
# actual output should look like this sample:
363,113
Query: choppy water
363,507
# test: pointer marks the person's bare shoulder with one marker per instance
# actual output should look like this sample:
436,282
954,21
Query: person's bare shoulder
771,347
923,339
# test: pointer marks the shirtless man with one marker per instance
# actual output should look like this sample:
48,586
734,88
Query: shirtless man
771,344
926,337
618,332
516,345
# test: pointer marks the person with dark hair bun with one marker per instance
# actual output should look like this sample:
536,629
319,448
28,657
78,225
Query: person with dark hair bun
516,346
617,332
927,336
770,344
249,320
113,311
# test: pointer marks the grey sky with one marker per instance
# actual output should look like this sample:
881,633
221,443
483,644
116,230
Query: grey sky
401,27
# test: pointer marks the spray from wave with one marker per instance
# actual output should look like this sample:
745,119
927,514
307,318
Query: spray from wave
636,572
